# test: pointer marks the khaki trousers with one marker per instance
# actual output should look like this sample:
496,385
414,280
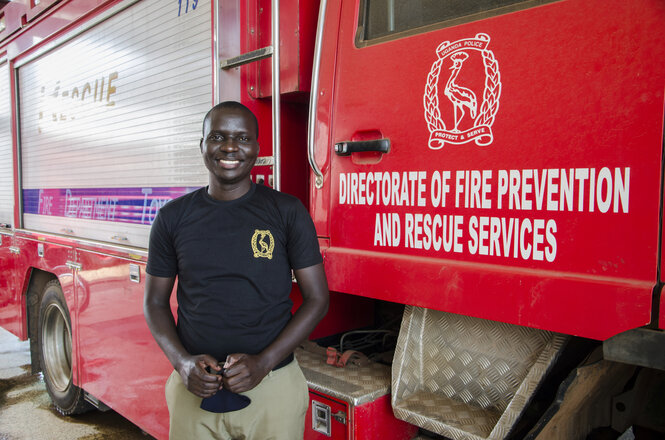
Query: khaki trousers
277,412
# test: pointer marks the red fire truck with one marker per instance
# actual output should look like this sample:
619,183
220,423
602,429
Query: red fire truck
485,178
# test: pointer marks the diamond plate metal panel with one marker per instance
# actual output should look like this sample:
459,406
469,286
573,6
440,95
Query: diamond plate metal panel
467,378
353,384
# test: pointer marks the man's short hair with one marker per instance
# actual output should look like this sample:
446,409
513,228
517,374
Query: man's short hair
232,105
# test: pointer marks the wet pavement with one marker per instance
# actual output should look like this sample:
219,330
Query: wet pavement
26,412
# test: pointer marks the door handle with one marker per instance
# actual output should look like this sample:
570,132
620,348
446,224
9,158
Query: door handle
73,265
346,148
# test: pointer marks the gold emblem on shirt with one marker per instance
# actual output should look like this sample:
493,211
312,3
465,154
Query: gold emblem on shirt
263,244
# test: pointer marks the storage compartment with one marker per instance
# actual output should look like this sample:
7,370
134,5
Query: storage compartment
351,403
467,378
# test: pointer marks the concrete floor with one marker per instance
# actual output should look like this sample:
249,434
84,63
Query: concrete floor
26,412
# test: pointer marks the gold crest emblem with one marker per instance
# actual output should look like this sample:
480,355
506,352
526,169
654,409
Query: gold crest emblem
263,244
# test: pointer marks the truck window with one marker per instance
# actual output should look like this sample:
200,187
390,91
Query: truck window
387,19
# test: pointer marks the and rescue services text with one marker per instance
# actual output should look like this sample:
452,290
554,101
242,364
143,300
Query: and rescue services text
443,226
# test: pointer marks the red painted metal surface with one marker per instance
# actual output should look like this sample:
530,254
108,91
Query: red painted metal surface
60,19
11,316
296,38
376,420
14,15
371,420
320,197
20,12
591,104
344,312
296,44
116,347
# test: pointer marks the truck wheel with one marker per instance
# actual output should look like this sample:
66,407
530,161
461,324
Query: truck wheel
55,340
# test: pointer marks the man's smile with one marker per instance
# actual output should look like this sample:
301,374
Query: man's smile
228,164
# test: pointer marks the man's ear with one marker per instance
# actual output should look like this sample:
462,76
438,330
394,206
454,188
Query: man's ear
201,145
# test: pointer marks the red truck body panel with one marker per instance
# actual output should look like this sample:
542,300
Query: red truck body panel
521,238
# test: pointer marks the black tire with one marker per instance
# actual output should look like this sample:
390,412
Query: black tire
55,351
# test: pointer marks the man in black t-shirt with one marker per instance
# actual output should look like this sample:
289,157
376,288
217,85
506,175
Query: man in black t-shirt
232,246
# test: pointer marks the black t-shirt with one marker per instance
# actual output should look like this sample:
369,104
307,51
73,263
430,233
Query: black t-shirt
233,260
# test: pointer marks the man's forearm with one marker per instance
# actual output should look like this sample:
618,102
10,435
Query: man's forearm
308,315
162,326
192,369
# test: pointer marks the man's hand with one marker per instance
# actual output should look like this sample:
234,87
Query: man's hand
196,379
243,372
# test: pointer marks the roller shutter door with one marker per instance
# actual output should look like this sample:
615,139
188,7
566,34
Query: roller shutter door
110,122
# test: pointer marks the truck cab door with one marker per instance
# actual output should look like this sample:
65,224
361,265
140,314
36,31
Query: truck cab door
486,163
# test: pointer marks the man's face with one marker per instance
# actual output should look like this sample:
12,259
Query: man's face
229,146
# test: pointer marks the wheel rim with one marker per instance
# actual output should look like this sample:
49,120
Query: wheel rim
57,347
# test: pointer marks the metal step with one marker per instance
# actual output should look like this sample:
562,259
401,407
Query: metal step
467,378
246,58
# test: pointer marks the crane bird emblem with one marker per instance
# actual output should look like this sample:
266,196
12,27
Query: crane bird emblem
460,96
263,244
471,120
